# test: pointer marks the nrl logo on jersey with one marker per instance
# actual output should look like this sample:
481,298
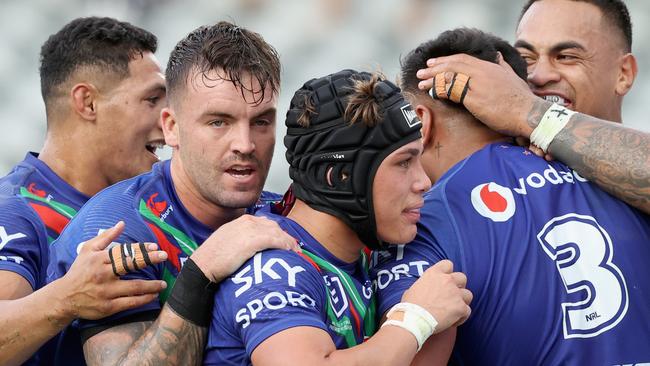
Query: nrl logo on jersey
411,118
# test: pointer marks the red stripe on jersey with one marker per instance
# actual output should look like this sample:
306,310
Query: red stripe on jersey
50,218
310,261
355,314
167,246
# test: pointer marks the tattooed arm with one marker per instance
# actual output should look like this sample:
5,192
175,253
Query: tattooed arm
170,340
615,157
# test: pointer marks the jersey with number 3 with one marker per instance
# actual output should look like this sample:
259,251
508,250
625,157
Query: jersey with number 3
559,269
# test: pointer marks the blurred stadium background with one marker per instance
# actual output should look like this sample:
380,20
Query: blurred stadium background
313,37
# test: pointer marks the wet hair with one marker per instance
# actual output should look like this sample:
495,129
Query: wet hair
231,49
615,11
105,43
461,40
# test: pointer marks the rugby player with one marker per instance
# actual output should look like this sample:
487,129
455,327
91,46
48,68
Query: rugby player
556,264
353,146
583,62
103,91
222,82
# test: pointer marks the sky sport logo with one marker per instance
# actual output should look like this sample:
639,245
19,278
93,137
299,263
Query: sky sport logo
410,116
493,201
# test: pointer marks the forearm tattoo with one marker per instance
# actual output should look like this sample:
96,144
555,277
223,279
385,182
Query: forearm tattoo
174,342
614,157
540,106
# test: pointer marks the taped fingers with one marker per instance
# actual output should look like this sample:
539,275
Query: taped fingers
127,258
458,88
439,89
452,86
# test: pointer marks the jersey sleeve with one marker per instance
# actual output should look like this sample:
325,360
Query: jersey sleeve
273,291
396,269
23,242
90,222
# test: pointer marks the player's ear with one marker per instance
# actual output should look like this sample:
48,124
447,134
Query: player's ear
426,117
84,100
627,73
169,127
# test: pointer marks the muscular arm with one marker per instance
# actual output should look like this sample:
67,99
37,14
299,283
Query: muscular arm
614,157
313,346
170,340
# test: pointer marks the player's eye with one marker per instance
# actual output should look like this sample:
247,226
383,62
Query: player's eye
262,122
216,123
566,57
406,163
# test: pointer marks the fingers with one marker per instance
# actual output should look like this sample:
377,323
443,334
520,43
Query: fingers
459,279
126,258
122,288
276,237
444,266
502,62
466,295
536,150
101,241
125,303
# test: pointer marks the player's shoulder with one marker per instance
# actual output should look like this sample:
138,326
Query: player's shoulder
16,211
11,183
273,269
122,197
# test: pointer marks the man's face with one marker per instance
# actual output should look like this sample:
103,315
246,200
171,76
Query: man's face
129,120
224,142
573,55
397,192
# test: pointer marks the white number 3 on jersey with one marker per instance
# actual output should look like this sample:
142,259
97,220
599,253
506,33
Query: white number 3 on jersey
582,251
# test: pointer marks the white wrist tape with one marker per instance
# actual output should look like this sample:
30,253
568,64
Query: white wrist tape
416,320
552,122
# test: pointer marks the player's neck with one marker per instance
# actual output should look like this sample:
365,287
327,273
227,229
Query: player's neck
330,231
455,147
71,157
206,212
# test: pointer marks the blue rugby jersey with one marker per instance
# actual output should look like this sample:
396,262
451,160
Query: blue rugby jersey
152,212
277,290
35,206
559,268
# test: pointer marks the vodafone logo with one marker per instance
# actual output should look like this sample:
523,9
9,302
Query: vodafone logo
493,201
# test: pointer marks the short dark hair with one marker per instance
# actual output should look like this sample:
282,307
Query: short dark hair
461,40
103,42
615,11
228,47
